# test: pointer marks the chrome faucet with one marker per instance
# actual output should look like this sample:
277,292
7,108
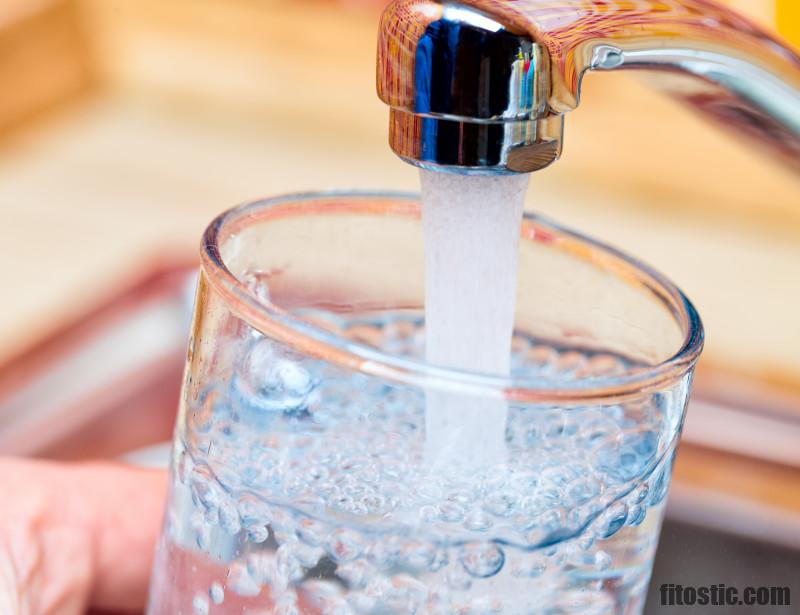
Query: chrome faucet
482,86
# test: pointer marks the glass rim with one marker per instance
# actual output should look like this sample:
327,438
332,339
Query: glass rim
309,338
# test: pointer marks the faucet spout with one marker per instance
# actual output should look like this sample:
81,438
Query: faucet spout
481,86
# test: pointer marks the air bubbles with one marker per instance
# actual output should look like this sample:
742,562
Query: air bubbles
636,515
501,503
569,362
484,605
271,381
345,545
257,283
406,595
451,512
463,497
317,474
287,566
532,566
308,556
583,490
384,551
375,503
541,358
478,521
586,541
556,556
428,513
545,499
355,574
240,582
625,457
183,467
458,578
314,477
482,559
441,559
546,527
200,605
312,532
660,482
613,519
257,533
417,555
287,608
229,518
430,490
584,602
602,560
216,593
205,490
523,482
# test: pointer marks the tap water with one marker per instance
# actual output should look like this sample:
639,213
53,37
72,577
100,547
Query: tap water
302,487
471,228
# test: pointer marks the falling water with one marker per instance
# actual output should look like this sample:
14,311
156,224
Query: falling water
471,230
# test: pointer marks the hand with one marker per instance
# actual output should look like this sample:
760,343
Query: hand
74,536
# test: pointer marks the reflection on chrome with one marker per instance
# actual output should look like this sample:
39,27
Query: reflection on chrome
481,86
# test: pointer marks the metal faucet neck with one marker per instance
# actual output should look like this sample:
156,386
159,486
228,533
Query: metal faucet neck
481,86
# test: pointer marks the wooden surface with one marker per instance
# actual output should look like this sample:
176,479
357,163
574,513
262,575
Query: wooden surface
43,57
203,105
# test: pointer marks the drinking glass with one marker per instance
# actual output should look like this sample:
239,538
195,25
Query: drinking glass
300,478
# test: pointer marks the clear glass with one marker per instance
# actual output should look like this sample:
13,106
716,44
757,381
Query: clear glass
299,481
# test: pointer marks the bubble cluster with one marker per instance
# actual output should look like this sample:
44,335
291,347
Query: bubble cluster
313,482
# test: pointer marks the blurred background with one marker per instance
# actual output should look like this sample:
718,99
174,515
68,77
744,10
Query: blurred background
126,126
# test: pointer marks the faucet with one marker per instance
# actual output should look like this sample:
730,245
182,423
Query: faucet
482,86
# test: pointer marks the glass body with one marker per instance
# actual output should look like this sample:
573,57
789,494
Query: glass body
300,481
